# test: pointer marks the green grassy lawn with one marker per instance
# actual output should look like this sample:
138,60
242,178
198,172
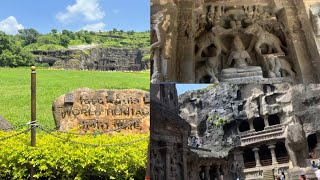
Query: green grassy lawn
15,89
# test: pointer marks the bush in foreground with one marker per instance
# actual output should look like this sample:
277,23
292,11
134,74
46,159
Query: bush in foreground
54,158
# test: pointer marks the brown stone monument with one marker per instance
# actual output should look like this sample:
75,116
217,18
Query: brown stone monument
103,110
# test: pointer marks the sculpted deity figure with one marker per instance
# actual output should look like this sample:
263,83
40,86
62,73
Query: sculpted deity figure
208,68
239,55
160,27
211,14
278,67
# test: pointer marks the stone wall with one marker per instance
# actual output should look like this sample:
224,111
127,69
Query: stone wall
98,58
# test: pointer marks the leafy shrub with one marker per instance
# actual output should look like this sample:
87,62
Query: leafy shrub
216,120
54,158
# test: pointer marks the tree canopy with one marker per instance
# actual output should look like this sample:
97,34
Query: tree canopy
12,53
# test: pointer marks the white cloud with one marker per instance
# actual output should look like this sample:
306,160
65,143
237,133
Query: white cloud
94,27
10,25
90,10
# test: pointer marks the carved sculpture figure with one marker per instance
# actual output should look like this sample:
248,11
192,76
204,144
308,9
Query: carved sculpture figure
201,24
261,37
208,68
160,28
278,67
296,145
239,55
157,166
206,40
211,14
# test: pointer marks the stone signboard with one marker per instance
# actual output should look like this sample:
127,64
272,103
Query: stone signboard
103,110
5,125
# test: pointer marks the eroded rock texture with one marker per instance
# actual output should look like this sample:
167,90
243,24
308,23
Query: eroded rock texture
98,58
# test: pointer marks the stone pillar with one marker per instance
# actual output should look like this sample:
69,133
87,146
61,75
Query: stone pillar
273,154
251,124
168,159
218,171
256,156
207,173
301,45
266,122
238,157
184,157
185,43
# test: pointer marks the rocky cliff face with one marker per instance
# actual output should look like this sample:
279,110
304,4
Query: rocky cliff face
306,105
205,110
216,111
96,58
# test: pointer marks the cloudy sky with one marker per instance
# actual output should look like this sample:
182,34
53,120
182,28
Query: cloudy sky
94,15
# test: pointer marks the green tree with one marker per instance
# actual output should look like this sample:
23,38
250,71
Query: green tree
54,31
64,40
131,32
11,52
88,39
48,39
29,36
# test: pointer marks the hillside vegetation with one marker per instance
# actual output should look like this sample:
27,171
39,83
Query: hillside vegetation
16,50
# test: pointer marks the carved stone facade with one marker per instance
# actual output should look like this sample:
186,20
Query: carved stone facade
97,58
211,41
171,156
256,131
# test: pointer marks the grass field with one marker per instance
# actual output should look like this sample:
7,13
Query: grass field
15,89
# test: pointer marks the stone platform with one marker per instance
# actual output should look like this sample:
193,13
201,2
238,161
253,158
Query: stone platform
242,75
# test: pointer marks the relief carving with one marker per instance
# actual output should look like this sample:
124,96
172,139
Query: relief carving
210,29
261,37
160,28
278,67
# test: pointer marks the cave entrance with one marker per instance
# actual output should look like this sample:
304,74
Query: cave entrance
258,124
312,144
265,155
244,126
281,153
248,158
273,120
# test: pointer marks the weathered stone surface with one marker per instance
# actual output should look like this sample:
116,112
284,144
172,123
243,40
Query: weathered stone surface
5,125
168,135
97,58
103,110
246,74
187,35
203,107
296,143
306,107
216,113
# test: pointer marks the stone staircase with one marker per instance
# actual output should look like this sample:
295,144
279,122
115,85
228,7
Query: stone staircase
268,174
